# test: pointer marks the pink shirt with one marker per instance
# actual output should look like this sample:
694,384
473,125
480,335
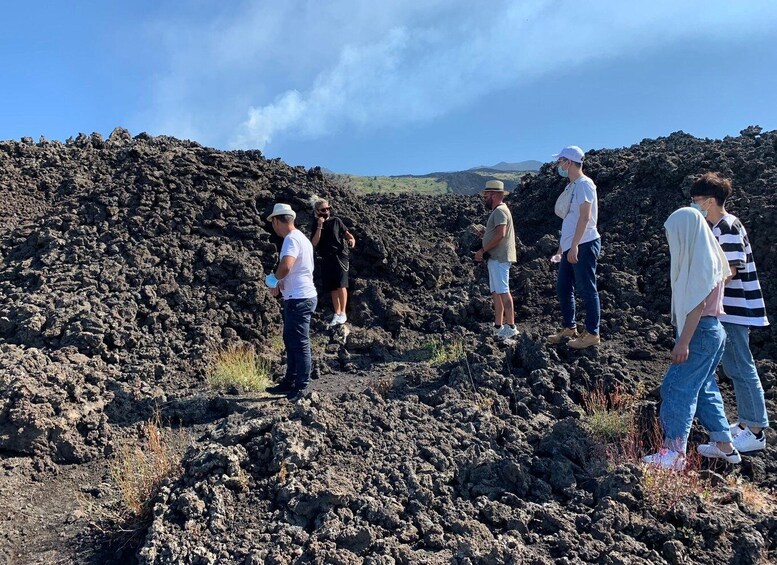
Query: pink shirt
713,305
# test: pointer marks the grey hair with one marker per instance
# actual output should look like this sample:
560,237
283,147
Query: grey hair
315,200
285,218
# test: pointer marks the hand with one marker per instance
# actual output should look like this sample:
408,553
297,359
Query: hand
281,284
679,354
479,256
572,255
351,243
321,220
275,292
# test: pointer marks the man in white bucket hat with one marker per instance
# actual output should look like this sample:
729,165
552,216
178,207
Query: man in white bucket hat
294,279
499,244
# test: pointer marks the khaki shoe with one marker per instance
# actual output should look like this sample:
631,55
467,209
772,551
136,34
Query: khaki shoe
585,340
561,335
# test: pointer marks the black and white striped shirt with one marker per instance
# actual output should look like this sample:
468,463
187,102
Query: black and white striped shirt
743,300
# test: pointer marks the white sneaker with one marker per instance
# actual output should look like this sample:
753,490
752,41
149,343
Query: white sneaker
333,322
341,318
495,330
506,332
735,429
712,451
746,441
666,459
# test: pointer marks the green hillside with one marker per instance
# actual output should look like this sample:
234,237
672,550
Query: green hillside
463,182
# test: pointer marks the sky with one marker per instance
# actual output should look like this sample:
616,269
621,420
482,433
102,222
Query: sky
398,87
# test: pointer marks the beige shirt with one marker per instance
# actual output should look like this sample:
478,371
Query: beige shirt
505,251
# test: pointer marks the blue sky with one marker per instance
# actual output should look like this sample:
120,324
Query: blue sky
399,87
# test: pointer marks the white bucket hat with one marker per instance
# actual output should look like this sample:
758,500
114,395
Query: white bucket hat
281,210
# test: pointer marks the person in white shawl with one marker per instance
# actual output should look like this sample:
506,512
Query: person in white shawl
698,271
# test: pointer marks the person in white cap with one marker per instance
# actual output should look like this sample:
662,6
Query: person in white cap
499,243
579,248
294,279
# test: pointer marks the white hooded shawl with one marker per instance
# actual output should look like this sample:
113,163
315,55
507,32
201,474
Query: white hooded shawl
698,262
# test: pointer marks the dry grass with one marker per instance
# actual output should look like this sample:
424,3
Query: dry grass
440,352
239,366
382,386
139,470
755,499
663,489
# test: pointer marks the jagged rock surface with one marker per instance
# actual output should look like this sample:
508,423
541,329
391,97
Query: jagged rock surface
127,262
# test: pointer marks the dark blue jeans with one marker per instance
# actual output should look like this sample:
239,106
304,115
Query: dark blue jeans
580,277
296,337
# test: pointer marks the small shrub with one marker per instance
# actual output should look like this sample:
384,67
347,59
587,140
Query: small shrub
240,367
440,352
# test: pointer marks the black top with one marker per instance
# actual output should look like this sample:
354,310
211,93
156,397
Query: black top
332,242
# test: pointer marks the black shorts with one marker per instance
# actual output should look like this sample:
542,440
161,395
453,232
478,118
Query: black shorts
334,273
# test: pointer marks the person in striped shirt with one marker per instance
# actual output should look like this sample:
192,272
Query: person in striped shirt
744,308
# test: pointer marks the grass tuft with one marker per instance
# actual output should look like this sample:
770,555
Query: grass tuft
239,366
610,416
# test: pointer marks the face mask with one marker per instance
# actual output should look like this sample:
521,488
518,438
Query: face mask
699,208
562,172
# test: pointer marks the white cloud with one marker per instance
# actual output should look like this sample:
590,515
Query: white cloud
306,69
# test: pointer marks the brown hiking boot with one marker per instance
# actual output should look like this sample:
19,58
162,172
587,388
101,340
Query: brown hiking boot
561,335
585,340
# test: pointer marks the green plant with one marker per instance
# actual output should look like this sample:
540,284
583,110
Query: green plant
239,366
440,352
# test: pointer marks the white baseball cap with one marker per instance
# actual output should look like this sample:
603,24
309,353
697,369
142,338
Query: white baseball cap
573,153
281,210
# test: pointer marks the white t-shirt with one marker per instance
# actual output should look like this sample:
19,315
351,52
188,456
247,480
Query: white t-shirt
583,191
299,282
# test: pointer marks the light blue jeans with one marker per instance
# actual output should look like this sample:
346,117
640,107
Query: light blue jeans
739,366
690,389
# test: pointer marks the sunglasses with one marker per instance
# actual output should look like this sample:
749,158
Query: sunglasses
325,209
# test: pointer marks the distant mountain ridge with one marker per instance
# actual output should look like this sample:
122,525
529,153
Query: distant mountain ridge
520,166
466,182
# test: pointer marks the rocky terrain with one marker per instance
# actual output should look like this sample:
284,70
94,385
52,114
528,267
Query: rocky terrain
127,262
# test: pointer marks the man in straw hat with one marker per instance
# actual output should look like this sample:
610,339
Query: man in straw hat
294,279
499,245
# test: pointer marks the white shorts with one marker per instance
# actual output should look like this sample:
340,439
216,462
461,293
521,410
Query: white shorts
498,276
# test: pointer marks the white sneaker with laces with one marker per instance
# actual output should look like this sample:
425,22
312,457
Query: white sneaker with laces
495,330
712,451
341,318
333,322
507,332
666,459
747,441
